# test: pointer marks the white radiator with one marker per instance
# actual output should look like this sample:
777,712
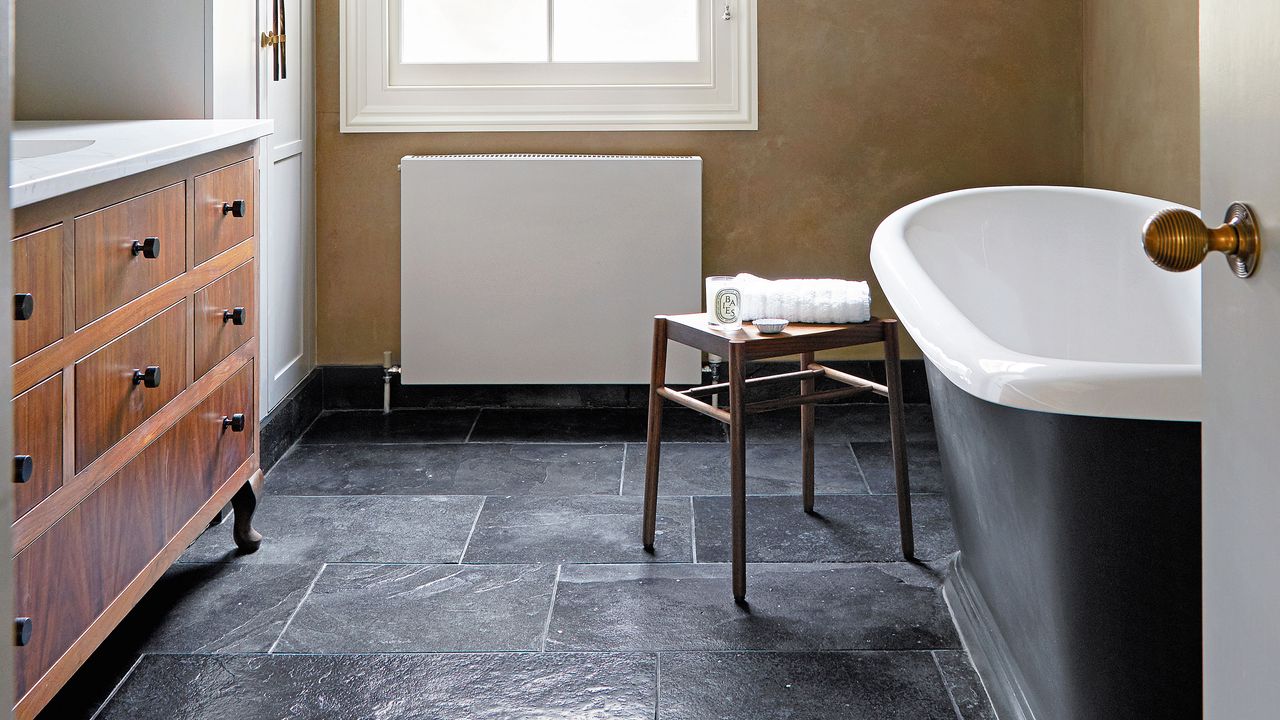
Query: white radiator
534,269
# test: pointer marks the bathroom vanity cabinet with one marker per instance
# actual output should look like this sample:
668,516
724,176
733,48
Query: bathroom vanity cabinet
135,383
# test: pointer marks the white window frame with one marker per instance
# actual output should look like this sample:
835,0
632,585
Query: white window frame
379,95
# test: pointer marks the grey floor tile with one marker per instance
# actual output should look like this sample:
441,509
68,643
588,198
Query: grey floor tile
962,682
881,606
840,424
801,686
423,608
538,469
403,687
449,469
218,607
366,469
348,426
772,469
924,469
585,529
591,425
843,528
368,528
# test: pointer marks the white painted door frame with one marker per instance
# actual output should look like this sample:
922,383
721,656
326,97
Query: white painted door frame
1240,161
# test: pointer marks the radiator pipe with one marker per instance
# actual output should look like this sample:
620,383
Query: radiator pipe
388,370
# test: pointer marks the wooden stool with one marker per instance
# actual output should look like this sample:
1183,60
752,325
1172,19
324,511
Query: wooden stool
738,347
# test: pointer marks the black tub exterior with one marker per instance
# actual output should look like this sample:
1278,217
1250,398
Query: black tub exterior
1077,585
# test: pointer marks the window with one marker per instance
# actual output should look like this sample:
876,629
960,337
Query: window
467,65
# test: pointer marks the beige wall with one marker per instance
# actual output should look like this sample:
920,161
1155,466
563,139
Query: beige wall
1141,97
865,105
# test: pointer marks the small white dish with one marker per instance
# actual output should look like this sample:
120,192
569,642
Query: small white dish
770,326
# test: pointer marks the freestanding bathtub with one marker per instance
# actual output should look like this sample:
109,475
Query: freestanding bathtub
1064,373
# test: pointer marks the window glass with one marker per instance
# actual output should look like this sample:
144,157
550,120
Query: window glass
473,31
612,31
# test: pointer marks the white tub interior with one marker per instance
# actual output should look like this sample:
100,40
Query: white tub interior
1059,275
1042,298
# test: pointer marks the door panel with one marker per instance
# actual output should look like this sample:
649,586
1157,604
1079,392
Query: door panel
1240,161
287,245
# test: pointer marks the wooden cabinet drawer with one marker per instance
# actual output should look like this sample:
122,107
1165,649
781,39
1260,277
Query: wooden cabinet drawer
113,394
224,209
224,318
115,248
37,272
37,444
71,573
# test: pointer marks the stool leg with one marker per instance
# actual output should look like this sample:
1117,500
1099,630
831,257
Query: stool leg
653,440
898,435
738,468
806,435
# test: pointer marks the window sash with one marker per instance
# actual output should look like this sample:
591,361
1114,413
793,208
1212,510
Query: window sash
371,102
537,74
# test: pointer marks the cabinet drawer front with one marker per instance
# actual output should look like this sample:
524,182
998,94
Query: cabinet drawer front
110,269
37,271
110,400
220,223
68,576
37,434
220,305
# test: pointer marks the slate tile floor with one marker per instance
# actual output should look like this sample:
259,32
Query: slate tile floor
486,564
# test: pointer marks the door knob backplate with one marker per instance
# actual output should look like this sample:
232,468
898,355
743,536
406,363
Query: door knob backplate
1178,240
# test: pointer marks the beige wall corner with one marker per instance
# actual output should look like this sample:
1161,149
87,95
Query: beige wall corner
1141,97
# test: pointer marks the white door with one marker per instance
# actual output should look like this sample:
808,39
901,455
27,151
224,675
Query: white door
287,256
1240,151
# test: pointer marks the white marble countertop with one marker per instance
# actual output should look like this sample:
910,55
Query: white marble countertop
48,159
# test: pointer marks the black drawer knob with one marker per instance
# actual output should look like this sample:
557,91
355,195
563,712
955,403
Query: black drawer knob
235,316
23,466
23,306
147,247
21,631
150,377
235,422
235,208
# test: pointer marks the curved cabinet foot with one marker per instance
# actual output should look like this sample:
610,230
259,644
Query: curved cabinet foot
244,502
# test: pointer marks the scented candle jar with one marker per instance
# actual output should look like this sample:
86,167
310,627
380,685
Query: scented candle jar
724,302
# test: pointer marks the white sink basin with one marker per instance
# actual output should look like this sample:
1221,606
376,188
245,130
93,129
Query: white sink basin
27,149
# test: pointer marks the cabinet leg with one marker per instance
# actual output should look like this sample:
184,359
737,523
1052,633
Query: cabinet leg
244,502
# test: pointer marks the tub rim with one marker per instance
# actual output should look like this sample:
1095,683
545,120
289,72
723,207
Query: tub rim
989,370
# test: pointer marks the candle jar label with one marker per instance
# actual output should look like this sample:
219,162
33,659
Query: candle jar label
727,303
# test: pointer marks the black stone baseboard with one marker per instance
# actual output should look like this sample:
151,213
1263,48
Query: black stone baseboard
290,419
359,387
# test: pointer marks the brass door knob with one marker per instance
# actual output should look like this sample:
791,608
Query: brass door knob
1178,240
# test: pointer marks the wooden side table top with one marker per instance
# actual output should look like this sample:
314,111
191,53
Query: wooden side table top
692,330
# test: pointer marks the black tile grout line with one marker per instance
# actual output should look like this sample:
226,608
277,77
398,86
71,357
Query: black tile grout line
914,493
551,609
471,432
622,476
297,607
657,685
861,473
815,564
942,677
402,653
111,695
467,545
693,532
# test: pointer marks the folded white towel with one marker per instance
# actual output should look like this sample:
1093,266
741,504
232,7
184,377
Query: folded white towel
811,301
